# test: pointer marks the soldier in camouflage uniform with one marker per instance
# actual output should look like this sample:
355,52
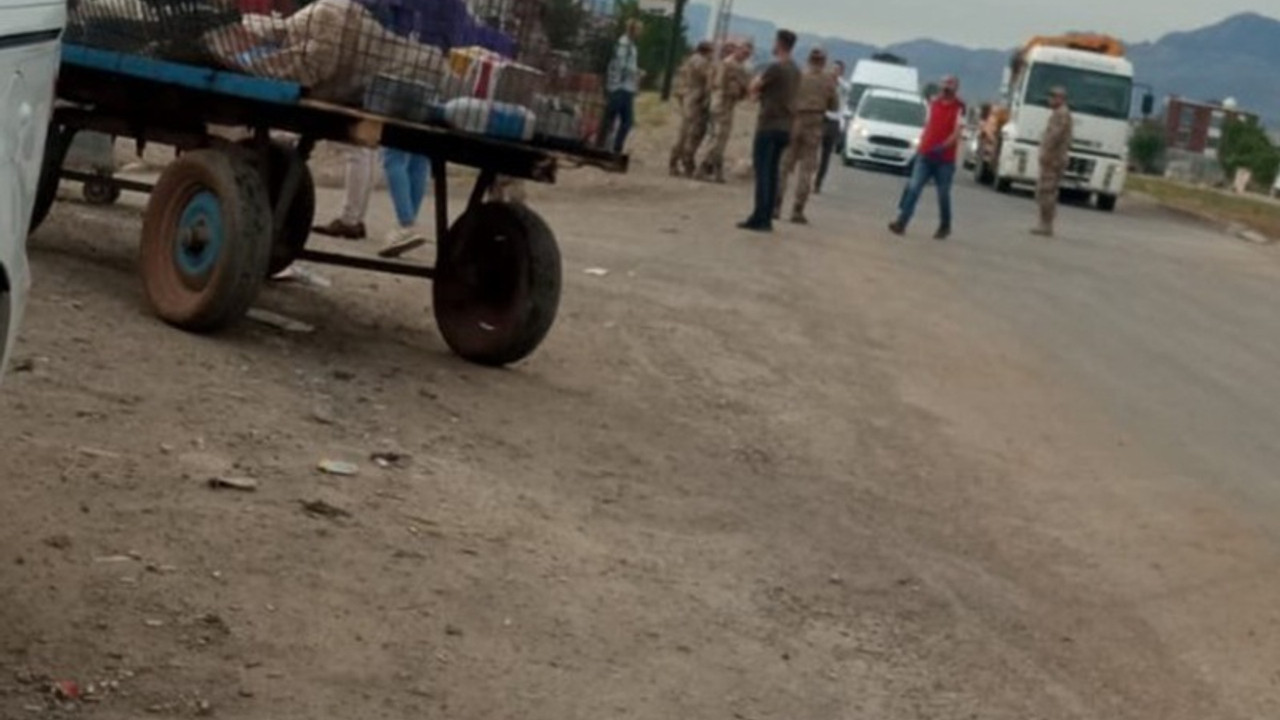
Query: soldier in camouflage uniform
818,95
693,86
1055,151
729,85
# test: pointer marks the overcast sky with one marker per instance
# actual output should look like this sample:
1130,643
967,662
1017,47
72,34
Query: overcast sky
991,23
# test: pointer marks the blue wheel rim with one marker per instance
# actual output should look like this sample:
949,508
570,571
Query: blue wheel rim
199,238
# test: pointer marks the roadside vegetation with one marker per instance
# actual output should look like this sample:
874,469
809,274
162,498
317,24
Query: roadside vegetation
1256,213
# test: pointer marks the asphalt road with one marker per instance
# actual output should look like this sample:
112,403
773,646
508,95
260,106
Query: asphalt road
1168,326
1128,371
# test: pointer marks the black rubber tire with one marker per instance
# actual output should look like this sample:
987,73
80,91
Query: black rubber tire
5,309
56,143
497,285
301,213
101,191
1107,203
1003,186
214,298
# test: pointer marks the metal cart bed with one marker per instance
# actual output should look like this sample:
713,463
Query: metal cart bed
225,216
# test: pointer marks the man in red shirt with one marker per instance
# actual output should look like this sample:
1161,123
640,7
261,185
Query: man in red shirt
936,159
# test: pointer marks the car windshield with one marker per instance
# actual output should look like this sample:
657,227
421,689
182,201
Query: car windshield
893,110
1088,92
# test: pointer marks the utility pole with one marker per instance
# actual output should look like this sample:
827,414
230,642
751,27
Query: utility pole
673,47
718,30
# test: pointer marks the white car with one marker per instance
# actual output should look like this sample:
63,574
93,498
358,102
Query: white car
30,41
885,130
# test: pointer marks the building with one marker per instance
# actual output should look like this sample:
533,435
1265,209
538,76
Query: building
1196,127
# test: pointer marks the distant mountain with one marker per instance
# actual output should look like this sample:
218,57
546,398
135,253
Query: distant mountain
1238,57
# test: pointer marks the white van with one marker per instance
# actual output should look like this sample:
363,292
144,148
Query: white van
30,42
869,74
885,129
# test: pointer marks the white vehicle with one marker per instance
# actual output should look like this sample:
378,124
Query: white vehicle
885,129
30,32
869,74
1099,84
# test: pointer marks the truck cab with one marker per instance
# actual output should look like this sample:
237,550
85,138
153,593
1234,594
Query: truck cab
1099,84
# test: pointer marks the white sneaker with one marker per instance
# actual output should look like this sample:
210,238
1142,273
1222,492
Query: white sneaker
401,241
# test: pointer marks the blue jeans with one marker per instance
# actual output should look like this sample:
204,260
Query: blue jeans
942,174
766,155
407,180
621,109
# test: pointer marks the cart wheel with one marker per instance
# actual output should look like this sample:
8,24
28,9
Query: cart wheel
301,213
56,144
206,240
497,285
101,191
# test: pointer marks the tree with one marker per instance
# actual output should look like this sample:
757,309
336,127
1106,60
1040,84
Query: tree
1147,147
1245,145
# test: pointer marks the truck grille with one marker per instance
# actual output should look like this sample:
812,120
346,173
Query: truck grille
883,141
1081,166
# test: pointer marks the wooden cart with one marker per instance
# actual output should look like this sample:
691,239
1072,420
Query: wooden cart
225,216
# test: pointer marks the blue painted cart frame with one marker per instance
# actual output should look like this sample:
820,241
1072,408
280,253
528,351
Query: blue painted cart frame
154,101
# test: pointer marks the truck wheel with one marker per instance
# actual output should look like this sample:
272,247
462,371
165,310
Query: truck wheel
497,284
206,240
56,144
1004,186
1107,203
301,211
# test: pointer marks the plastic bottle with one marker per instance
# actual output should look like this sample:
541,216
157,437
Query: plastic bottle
494,119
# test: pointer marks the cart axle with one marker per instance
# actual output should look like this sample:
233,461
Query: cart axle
367,263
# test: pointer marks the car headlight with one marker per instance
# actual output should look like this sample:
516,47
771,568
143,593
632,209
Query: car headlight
860,130
915,143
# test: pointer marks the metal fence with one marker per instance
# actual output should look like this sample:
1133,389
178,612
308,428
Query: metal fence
518,69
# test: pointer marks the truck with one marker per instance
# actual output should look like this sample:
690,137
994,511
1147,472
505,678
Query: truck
1098,79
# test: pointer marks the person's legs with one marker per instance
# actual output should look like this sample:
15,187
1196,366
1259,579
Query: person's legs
810,145
907,206
395,163
787,166
419,171
830,134
701,126
357,186
760,150
604,136
779,141
688,117
399,167
944,176
1047,190
626,118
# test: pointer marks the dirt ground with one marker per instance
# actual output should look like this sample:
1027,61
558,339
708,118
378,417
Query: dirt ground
727,487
